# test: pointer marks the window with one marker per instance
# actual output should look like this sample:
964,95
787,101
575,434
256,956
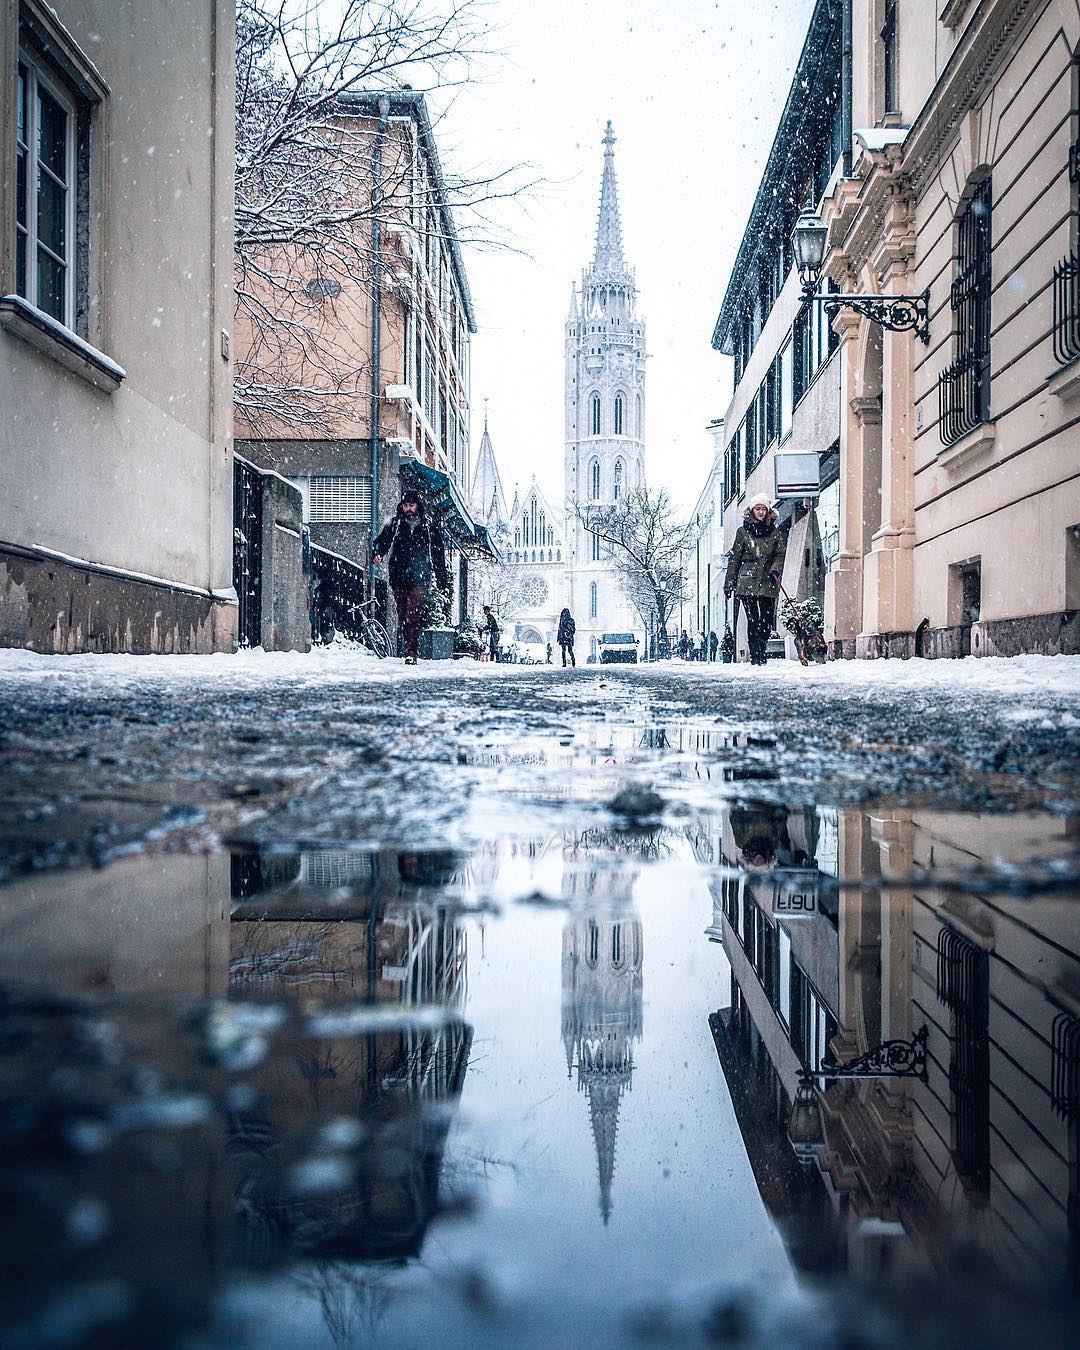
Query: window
596,548
731,469
616,480
45,192
785,390
592,597
431,407
963,985
338,498
618,414
783,999
964,386
750,437
594,416
888,43
594,479
525,530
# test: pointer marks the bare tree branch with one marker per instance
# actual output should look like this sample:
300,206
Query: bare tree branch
647,544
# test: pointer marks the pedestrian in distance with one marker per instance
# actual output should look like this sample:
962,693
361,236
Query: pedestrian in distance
565,636
753,572
714,643
549,654
491,630
702,647
416,556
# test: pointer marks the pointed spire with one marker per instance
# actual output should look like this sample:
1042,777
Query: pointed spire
486,495
608,256
604,1117
572,314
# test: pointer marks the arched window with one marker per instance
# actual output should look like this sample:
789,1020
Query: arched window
525,530
592,598
616,482
551,536
596,548
543,528
637,417
517,538
618,414
616,946
594,479
592,955
594,414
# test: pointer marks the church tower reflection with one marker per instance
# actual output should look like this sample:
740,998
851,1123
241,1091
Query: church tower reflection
601,1020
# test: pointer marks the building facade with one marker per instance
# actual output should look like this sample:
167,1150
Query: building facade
786,398
402,416
704,609
961,482
116,242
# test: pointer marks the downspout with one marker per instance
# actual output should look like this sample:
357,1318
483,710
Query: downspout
376,323
845,87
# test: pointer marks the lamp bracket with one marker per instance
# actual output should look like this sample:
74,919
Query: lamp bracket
898,313
891,1059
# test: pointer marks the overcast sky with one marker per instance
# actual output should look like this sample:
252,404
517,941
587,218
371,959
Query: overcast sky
694,89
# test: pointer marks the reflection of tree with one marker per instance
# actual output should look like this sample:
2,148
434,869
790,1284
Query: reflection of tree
601,1020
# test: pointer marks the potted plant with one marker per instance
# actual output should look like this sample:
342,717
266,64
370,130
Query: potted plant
436,639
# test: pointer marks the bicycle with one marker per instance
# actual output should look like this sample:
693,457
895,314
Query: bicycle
372,634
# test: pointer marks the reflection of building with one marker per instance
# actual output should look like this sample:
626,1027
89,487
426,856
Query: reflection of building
601,1020
391,943
985,1152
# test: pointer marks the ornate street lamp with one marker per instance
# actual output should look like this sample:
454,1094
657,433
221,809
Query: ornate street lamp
898,313
891,1059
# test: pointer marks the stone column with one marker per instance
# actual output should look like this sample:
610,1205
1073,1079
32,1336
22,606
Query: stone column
843,585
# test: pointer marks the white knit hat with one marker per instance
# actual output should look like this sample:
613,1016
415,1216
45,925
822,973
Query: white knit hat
760,500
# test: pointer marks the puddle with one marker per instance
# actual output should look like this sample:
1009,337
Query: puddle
537,1089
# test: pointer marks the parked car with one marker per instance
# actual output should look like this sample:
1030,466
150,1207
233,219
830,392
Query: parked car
618,647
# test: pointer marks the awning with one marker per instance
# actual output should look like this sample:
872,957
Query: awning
446,504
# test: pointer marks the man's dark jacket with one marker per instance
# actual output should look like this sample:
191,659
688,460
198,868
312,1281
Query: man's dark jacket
412,550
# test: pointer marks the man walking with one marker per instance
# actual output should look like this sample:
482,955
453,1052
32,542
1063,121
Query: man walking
490,626
414,550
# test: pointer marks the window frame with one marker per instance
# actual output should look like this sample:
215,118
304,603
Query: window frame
40,73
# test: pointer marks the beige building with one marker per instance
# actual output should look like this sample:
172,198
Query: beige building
116,304
960,472
407,396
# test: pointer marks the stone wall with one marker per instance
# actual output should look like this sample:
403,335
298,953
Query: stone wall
48,604
286,622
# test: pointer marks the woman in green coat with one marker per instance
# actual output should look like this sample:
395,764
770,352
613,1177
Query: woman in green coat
753,572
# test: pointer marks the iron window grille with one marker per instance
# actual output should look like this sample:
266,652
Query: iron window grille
247,551
963,986
1066,314
1065,1066
964,386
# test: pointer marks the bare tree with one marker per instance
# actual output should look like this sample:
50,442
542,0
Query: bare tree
498,585
647,543
308,193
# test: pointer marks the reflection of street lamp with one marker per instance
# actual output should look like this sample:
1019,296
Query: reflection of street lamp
895,312
892,1059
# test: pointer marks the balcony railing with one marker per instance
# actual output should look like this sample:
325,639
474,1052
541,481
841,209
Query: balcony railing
1067,310
962,396
337,596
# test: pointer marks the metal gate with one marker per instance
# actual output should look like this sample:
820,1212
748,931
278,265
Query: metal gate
247,551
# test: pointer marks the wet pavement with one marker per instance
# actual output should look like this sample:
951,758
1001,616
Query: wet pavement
472,1011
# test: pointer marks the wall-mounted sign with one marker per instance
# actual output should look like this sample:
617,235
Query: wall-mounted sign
797,475
795,894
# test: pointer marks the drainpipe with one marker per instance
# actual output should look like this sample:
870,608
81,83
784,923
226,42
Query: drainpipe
845,87
376,324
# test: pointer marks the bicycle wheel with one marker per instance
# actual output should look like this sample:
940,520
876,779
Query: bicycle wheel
374,637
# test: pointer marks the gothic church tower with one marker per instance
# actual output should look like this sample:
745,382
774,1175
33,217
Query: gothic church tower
605,407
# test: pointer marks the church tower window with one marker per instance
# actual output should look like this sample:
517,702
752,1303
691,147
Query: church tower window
594,479
594,404
617,480
592,598
596,548
618,414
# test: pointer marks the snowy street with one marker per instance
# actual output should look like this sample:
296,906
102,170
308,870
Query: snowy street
415,996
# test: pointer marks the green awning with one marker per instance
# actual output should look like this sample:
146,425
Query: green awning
446,504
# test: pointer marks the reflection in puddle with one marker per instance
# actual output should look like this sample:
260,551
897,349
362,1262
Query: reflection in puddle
343,1074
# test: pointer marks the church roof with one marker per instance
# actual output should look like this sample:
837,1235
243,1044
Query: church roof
486,496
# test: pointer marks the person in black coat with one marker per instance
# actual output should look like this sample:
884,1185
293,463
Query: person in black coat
565,636
414,551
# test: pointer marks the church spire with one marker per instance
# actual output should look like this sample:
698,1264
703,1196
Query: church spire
486,496
608,256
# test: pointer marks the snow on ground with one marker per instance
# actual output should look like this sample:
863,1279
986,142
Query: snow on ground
340,663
